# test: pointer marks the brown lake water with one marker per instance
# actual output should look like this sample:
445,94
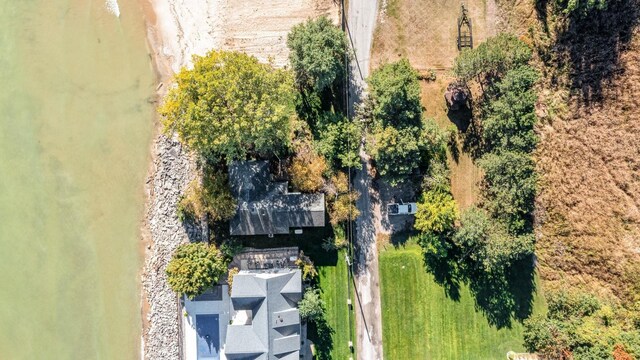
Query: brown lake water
75,129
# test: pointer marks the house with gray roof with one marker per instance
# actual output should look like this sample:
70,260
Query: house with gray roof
266,207
265,321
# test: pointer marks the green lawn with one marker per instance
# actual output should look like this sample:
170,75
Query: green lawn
333,283
421,322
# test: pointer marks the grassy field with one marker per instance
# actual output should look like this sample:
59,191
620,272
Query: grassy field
421,322
333,283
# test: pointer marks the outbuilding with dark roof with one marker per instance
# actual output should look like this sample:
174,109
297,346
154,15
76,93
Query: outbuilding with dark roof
266,207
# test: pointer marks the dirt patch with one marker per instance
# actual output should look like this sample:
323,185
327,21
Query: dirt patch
425,31
260,27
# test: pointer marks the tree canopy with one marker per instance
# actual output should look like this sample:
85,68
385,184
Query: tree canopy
338,140
398,152
317,54
343,207
395,93
488,243
509,187
230,105
509,117
306,170
393,111
194,268
437,213
492,58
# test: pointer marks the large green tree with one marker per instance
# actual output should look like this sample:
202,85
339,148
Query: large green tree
488,243
492,59
394,91
509,187
317,54
509,117
194,268
230,105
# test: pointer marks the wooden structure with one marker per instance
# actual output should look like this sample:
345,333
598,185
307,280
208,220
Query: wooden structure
465,33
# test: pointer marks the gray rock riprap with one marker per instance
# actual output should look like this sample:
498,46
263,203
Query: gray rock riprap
173,169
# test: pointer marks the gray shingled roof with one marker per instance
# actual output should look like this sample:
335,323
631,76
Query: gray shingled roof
274,332
266,207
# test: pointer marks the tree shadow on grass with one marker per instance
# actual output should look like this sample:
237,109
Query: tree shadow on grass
461,118
445,274
502,298
321,334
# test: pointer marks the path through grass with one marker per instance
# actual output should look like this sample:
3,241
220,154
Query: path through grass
421,322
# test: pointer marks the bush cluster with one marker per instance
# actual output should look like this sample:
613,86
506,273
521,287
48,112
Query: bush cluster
579,326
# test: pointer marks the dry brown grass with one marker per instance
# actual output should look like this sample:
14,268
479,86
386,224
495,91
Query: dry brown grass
425,31
465,175
589,203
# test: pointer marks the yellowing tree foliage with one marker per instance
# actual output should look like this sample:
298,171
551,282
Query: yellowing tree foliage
306,171
437,213
212,197
343,208
231,105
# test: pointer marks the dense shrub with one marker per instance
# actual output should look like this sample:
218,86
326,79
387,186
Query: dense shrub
579,326
311,306
437,213
343,208
194,268
211,197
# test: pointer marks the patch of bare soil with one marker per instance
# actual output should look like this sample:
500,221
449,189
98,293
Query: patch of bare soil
425,31
260,27
588,208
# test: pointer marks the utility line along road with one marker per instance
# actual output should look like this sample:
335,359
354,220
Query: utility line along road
361,21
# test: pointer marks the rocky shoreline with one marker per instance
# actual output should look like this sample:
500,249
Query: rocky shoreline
173,169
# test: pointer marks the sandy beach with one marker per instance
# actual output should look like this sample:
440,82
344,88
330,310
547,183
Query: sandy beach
177,30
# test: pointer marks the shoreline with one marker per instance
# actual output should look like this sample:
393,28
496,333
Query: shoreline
161,65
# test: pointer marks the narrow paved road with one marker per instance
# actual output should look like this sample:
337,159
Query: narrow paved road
361,20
